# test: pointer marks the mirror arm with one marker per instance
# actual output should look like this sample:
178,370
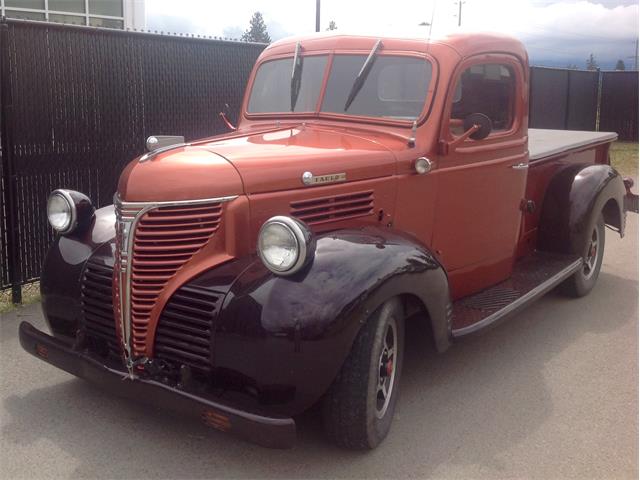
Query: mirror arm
446,147
227,122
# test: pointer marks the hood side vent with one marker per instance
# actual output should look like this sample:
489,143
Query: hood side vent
321,210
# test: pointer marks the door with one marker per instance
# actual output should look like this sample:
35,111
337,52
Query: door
482,182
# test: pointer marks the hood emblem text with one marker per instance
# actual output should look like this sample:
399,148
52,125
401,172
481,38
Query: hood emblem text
309,178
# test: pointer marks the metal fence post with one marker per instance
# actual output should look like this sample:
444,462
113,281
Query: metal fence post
15,274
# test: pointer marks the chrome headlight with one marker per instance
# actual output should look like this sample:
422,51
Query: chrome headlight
284,245
67,210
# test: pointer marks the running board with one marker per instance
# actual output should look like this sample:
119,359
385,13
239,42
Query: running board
532,277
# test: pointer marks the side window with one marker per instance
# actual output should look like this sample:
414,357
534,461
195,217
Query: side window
487,88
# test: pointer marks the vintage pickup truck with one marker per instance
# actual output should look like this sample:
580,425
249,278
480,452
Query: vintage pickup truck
244,278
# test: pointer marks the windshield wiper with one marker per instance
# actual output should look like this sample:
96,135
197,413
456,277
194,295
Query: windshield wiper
296,76
362,75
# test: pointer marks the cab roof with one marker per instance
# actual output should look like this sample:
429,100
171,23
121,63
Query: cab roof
465,44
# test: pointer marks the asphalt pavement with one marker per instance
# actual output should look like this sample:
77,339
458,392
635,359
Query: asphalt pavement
552,393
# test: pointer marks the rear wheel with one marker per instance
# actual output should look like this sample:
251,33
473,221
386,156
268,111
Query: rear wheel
585,279
358,409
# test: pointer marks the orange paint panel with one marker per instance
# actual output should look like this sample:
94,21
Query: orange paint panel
276,160
184,173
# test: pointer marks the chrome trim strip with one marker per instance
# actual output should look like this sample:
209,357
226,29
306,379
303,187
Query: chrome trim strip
540,290
153,153
125,228
117,201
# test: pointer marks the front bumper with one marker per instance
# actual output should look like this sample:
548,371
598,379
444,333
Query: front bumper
273,432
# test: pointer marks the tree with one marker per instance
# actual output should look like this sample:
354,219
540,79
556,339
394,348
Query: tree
332,25
620,65
591,62
257,31
424,24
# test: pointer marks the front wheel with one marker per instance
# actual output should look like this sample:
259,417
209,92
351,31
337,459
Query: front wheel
585,279
359,406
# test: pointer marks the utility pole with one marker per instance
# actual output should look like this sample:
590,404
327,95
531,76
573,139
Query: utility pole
635,57
317,15
460,2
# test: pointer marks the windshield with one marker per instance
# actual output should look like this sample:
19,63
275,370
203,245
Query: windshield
272,87
394,86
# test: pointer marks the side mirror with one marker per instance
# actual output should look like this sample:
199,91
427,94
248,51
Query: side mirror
224,114
154,142
476,127
481,121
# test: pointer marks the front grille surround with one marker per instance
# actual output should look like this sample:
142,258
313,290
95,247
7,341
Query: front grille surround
154,242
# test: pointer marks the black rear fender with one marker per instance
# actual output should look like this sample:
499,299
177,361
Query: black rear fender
574,198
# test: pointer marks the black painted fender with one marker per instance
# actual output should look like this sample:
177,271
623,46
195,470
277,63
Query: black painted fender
575,197
289,336
63,267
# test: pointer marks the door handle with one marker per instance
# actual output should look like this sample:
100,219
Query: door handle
520,166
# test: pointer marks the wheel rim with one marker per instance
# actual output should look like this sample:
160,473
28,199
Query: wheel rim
593,254
387,366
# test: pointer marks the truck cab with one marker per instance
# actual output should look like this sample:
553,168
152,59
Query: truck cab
369,182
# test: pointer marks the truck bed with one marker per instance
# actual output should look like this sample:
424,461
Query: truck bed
547,143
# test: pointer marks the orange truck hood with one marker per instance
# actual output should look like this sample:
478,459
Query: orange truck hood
254,163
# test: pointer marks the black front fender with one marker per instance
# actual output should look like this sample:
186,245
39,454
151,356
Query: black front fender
574,197
63,268
289,336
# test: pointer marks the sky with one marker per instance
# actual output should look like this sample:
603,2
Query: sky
556,32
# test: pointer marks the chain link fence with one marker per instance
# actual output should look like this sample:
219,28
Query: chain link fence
77,104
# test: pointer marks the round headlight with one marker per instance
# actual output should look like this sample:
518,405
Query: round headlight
283,245
61,211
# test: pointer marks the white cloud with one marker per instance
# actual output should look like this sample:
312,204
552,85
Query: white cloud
558,30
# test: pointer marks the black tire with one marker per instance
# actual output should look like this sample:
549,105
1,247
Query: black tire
583,281
354,415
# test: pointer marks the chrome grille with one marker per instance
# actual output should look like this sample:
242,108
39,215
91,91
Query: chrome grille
155,240
165,239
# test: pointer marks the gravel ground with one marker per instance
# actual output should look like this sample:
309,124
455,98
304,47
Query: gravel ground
552,393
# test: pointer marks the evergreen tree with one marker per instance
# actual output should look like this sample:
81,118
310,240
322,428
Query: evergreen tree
591,62
332,25
257,31
620,65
